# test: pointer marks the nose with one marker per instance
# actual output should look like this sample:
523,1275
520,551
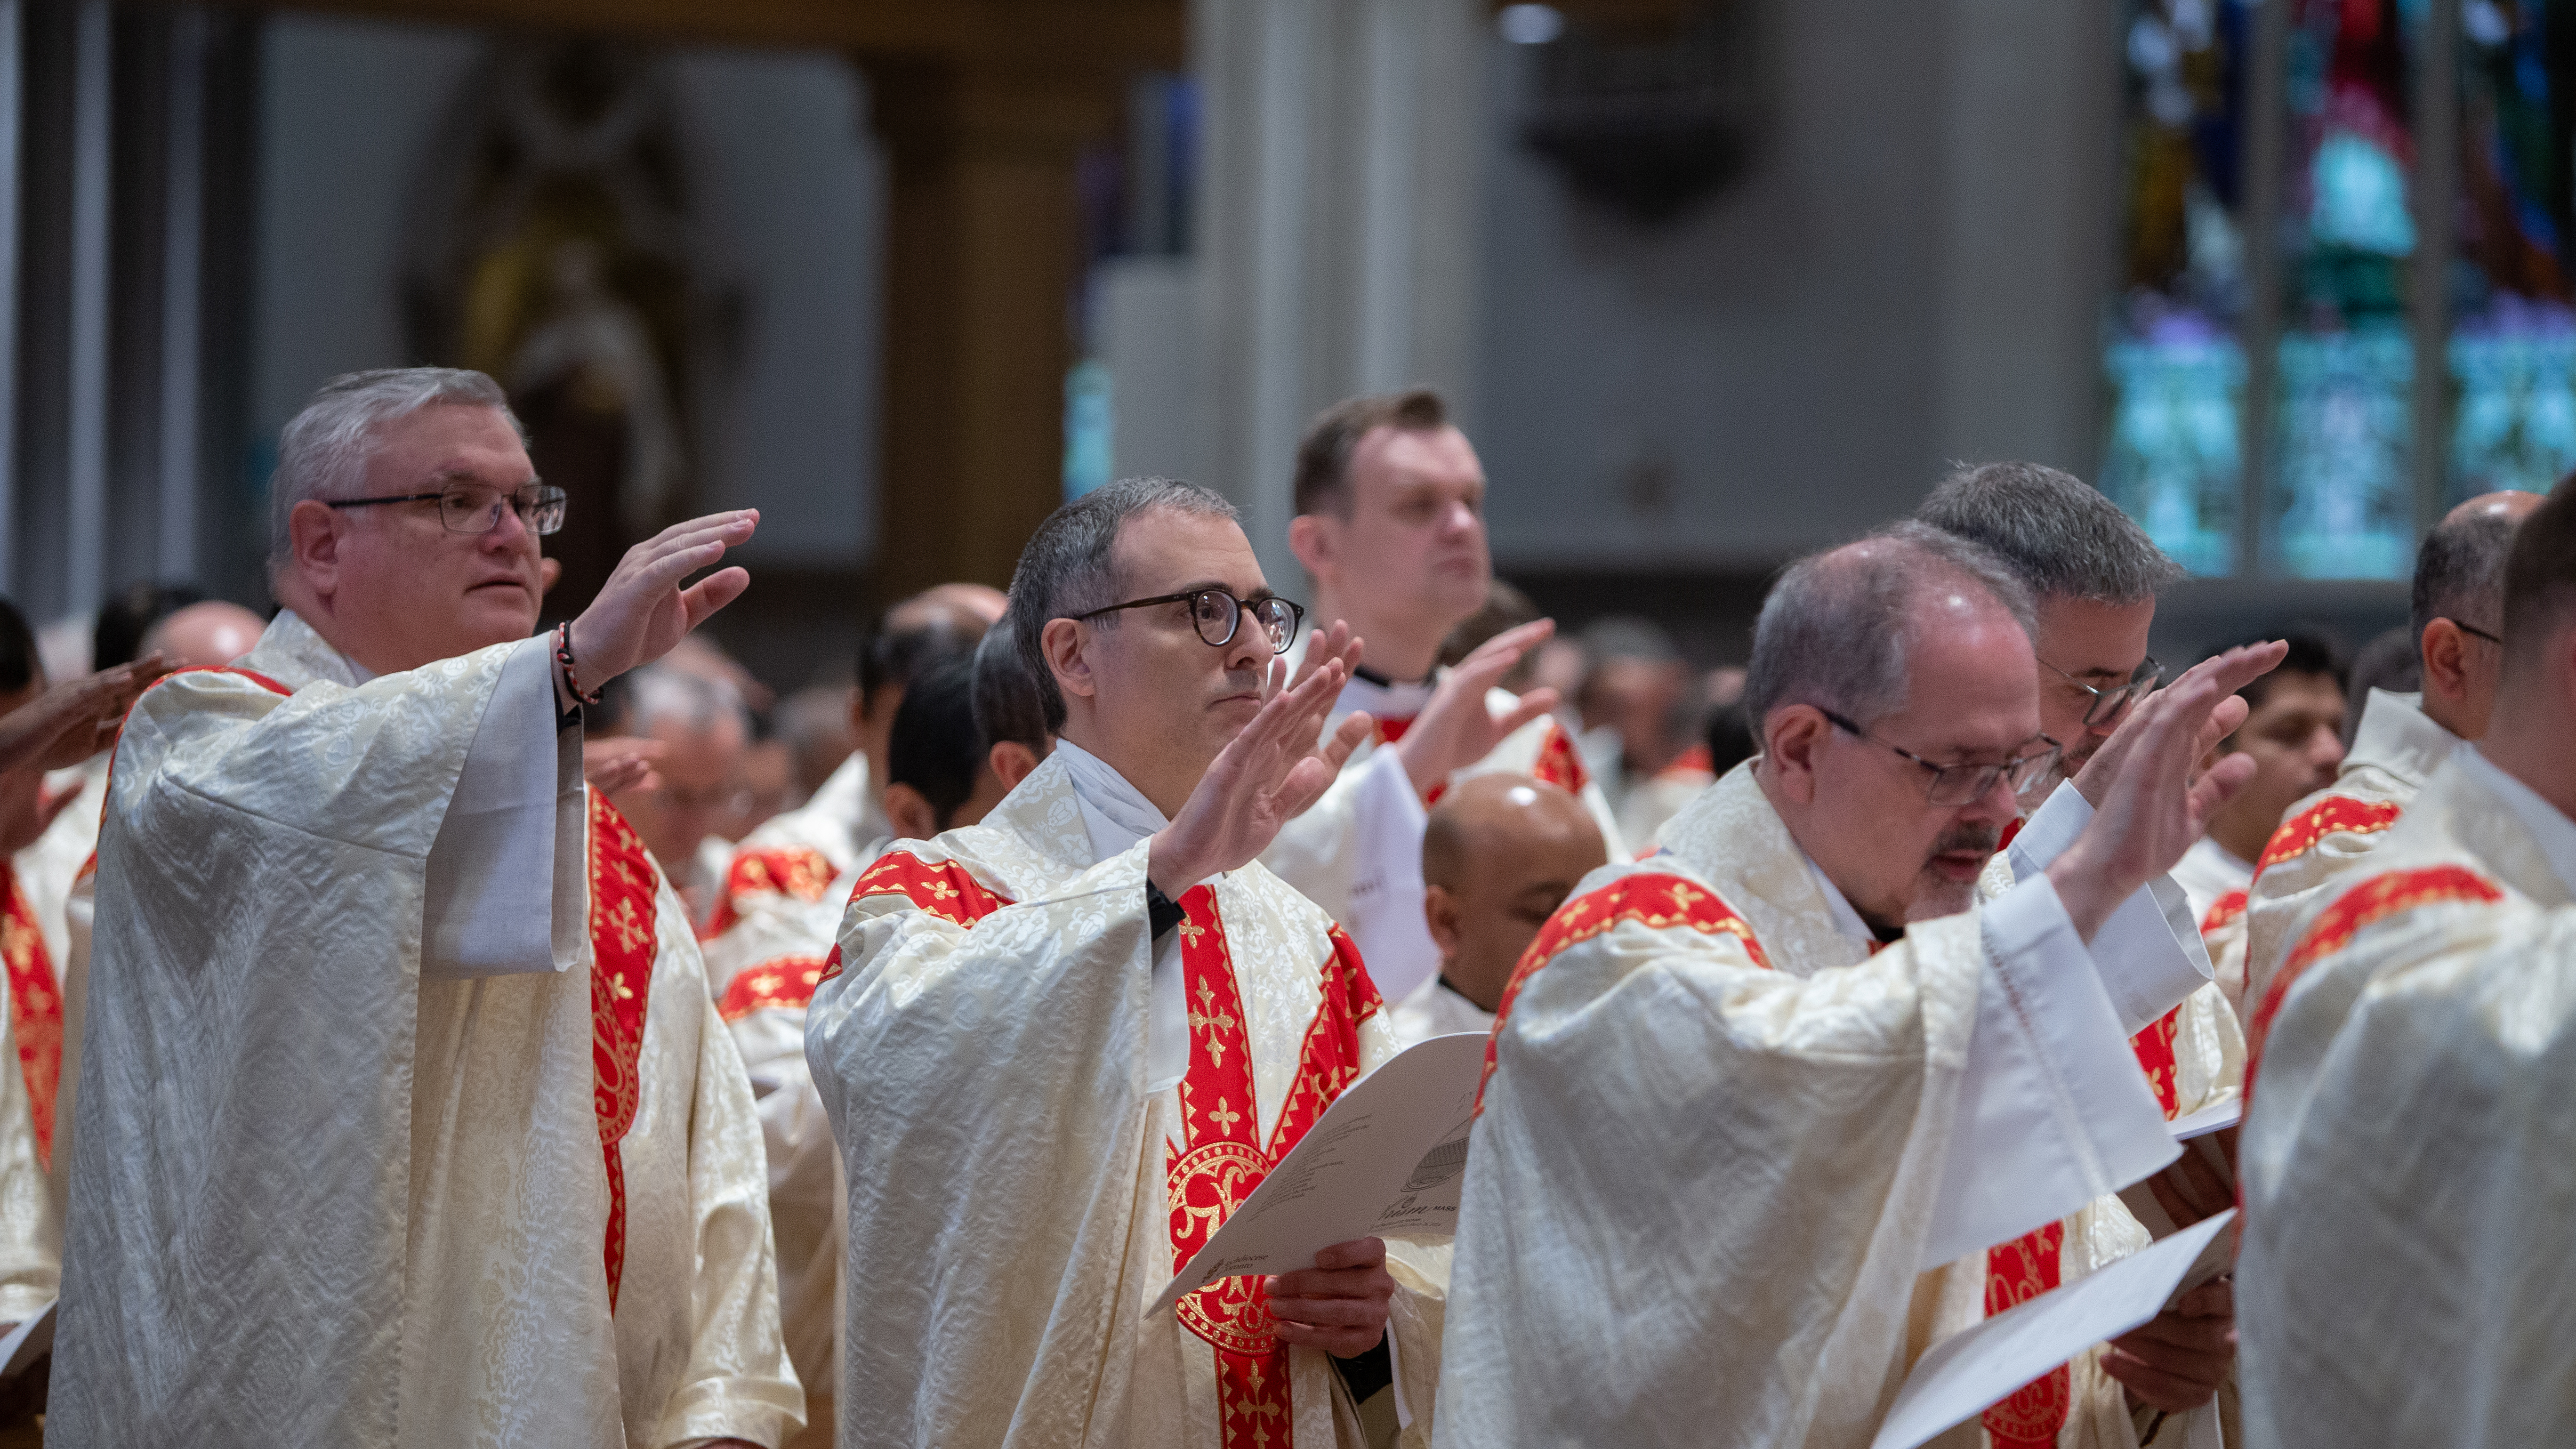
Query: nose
511,531
1998,807
1249,649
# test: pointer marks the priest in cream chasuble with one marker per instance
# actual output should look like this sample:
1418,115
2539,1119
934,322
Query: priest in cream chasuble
1060,1046
1905,1122
360,1112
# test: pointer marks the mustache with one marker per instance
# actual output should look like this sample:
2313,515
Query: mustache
1983,839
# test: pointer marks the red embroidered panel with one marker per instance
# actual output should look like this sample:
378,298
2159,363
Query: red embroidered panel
1559,763
2367,904
2224,912
2335,814
35,1009
1223,1159
946,890
2017,1272
797,871
2155,1051
786,983
1391,730
623,943
1657,899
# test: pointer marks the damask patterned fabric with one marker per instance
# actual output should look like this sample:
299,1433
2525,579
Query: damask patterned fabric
36,940
1711,1147
2326,836
321,1194
2406,1159
1357,852
1017,1195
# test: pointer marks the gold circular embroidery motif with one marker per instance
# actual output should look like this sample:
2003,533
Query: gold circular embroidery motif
1207,1185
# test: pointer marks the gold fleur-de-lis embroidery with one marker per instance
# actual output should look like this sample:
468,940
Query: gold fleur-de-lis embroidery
1225,1117
1207,1018
1191,931
1685,897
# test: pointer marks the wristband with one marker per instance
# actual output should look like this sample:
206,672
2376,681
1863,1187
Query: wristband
1160,910
563,661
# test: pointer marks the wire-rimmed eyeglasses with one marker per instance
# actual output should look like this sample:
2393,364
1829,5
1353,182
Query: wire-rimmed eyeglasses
1217,613
1965,784
2109,704
478,510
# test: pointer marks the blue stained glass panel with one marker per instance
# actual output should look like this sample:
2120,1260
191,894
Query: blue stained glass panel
2344,503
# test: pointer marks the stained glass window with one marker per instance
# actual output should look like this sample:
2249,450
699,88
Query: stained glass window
2513,337
2175,363
2342,498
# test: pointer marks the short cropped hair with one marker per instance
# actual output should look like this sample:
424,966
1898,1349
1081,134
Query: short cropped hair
2057,534
323,451
908,641
1007,705
1323,483
933,746
1066,568
2459,573
663,692
1835,629
2311,653
2540,578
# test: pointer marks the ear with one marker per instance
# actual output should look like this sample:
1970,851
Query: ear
313,543
548,571
1067,648
1792,738
1440,911
1011,763
909,812
1313,539
2446,667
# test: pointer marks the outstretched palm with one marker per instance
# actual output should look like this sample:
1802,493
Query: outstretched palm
1265,777
1457,728
642,613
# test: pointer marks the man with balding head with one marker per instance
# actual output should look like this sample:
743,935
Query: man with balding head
2405,1157
1499,854
2458,619
204,636
1736,1088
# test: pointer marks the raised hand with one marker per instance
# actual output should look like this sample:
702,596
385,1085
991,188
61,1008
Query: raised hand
1264,777
75,719
2234,670
2154,807
642,612
1455,729
1323,646
1340,1304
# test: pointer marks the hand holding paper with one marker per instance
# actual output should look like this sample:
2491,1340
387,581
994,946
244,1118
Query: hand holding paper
1340,1304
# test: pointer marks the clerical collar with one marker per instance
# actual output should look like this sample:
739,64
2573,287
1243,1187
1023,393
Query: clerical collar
1114,811
1370,676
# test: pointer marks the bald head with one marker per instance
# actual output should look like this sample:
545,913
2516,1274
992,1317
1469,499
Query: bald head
968,608
1499,854
205,636
2535,707
2458,612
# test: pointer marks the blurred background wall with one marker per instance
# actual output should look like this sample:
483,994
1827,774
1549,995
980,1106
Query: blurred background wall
1711,282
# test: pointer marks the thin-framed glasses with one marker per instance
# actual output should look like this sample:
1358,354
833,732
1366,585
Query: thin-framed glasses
2109,704
1962,784
1217,613
2474,629
478,510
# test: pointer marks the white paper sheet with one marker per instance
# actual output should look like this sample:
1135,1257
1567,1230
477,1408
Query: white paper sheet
1389,1157
1971,1371
27,1342
2216,1118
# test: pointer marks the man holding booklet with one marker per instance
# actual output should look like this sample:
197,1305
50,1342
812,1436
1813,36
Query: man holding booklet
1764,1102
1061,1046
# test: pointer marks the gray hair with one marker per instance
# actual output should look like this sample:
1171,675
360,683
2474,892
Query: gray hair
694,700
2459,573
323,451
1834,631
2056,533
1006,701
1066,570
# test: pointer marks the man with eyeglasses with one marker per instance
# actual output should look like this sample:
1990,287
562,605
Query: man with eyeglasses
2094,575
1059,1046
2458,619
1390,523
401,1065
704,731
1755,1089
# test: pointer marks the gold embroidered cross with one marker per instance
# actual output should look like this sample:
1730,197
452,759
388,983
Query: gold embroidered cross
1191,931
1207,1017
1225,1117
941,890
